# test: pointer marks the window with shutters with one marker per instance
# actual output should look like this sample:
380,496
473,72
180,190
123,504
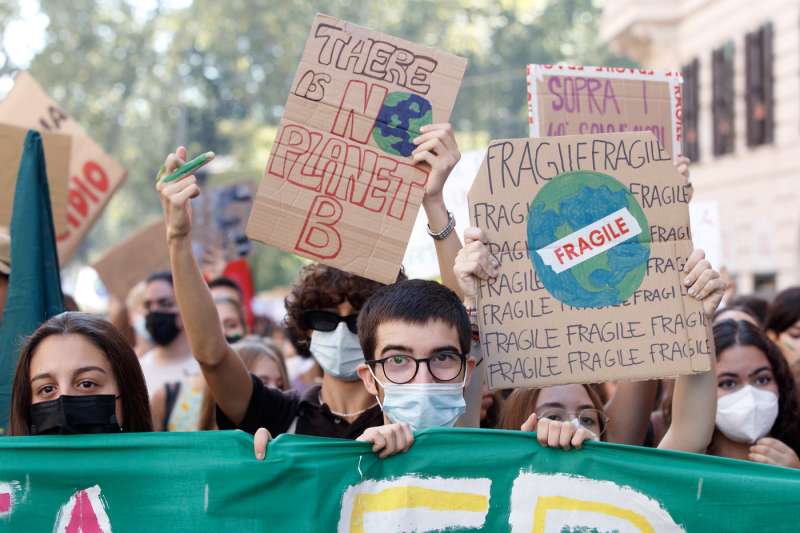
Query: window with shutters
722,99
759,86
691,109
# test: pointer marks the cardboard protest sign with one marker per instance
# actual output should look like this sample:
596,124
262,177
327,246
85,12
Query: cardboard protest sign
219,216
57,149
130,261
572,100
93,174
340,187
591,233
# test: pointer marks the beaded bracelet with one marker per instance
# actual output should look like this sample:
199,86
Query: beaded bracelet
448,229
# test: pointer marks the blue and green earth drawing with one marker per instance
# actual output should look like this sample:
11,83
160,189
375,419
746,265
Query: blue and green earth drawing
399,121
570,202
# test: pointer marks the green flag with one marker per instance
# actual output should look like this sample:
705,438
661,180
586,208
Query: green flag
450,480
34,291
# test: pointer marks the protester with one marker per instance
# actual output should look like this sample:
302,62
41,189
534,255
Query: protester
224,287
690,431
757,410
76,374
264,360
321,322
170,361
416,337
580,405
182,405
783,323
231,317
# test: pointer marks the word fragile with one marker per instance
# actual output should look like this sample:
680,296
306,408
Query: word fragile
590,241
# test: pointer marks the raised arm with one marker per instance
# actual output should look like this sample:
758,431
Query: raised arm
436,146
226,375
629,412
694,401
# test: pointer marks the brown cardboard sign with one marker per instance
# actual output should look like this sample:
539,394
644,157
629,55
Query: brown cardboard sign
133,259
93,175
57,150
579,100
591,233
340,186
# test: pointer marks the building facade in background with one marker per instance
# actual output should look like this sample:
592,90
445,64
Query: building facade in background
741,116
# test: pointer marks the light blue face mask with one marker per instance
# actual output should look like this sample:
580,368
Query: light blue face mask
338,352
424,405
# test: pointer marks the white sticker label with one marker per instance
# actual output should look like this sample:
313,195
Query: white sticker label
591,240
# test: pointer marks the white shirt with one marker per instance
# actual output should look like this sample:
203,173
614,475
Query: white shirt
156,376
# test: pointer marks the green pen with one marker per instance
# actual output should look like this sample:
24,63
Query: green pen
186,168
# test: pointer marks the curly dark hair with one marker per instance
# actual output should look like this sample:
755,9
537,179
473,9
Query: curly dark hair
729,333
322,287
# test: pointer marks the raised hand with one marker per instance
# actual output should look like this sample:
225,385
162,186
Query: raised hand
175,197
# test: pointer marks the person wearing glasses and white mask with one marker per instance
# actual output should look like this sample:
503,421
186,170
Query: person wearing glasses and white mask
415,336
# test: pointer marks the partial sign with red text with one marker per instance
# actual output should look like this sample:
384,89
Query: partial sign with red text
94,176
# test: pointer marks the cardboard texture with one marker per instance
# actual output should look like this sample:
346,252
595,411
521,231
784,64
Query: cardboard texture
94,175
340,187
133,259
591,233
579,100
57,150
219,216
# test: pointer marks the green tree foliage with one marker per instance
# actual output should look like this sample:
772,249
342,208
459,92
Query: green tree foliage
215,75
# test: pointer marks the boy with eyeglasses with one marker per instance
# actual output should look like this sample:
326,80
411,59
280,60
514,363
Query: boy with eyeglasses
415,336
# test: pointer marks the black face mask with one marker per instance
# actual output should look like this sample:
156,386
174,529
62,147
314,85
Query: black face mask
233,339
162,326
74,415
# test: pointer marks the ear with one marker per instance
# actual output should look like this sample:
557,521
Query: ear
366,378
471,364
772,336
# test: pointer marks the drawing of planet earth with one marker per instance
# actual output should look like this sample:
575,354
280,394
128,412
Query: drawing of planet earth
399,121
573,201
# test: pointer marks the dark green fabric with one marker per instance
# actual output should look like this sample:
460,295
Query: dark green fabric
34,292
211,482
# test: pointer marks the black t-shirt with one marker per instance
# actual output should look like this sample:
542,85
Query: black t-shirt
277,410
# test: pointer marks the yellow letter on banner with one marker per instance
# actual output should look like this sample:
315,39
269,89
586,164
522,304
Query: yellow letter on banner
546,503
411,503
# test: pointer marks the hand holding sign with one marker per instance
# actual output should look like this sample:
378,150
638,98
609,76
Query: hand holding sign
703,282
474,263
437,147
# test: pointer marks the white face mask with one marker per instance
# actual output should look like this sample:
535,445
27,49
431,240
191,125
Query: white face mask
423,405
338,352
747,414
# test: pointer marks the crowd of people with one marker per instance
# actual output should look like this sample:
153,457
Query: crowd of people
356,359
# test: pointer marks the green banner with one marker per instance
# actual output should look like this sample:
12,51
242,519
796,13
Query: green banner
451,479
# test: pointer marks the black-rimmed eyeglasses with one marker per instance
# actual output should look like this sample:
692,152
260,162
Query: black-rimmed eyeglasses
402,368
